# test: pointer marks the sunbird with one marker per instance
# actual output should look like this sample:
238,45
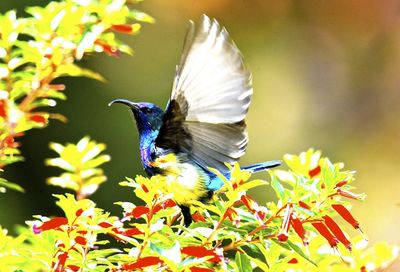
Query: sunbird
203,124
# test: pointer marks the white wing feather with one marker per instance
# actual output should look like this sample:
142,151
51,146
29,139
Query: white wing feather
212,76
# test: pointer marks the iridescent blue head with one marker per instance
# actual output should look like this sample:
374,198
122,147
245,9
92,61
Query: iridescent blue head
147,115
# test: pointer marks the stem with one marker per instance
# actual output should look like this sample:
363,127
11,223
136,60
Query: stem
267,222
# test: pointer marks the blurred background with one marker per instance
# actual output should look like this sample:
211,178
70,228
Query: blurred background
325,76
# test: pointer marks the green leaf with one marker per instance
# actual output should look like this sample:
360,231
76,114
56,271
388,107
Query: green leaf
299,251
141,16
242,262
10,185
278,188
76,71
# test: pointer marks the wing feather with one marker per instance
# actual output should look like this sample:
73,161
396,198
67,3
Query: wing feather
210,98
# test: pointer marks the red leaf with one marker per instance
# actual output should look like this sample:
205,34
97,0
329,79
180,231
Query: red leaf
37,118
346,215
313,172
125,28
200,269
200,252
139,211
335,229
51,224
131,232
324,231
293,261
142,262
81,240
198,217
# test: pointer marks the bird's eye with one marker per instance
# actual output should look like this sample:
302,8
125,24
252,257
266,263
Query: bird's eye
147,110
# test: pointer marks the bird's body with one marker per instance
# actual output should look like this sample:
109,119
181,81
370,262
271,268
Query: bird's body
203,124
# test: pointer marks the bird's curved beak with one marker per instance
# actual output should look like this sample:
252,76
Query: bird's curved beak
134,106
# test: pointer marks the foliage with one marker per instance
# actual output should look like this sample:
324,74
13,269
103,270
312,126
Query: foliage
37,50
299,232
81,163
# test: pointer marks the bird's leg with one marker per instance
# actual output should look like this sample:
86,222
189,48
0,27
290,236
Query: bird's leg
187,217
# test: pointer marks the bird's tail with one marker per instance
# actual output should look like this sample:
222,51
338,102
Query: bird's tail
262,166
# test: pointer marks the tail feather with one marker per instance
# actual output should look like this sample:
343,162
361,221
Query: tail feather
262,166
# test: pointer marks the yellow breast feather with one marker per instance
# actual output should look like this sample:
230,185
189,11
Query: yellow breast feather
184,180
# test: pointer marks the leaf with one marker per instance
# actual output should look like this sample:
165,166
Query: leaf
242,262
141,16
76,71
10,185
299,251
278,188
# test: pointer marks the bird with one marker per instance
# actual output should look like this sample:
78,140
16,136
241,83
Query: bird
203,126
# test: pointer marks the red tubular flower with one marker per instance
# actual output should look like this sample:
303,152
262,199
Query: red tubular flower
248,202
124,28
341,183
169,203
79,212
53,223
313,172
349,194
293,261
105,224
283,234
57,87
62,258
3,108
198,217
9,141
73,267
108,49
80,240
142,262
37,118
346,215
335,229
299,229
324,231
304,205
139,211
231,213
131,232
200,252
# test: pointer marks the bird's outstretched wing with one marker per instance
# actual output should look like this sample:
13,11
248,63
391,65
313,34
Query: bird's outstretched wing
209,101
